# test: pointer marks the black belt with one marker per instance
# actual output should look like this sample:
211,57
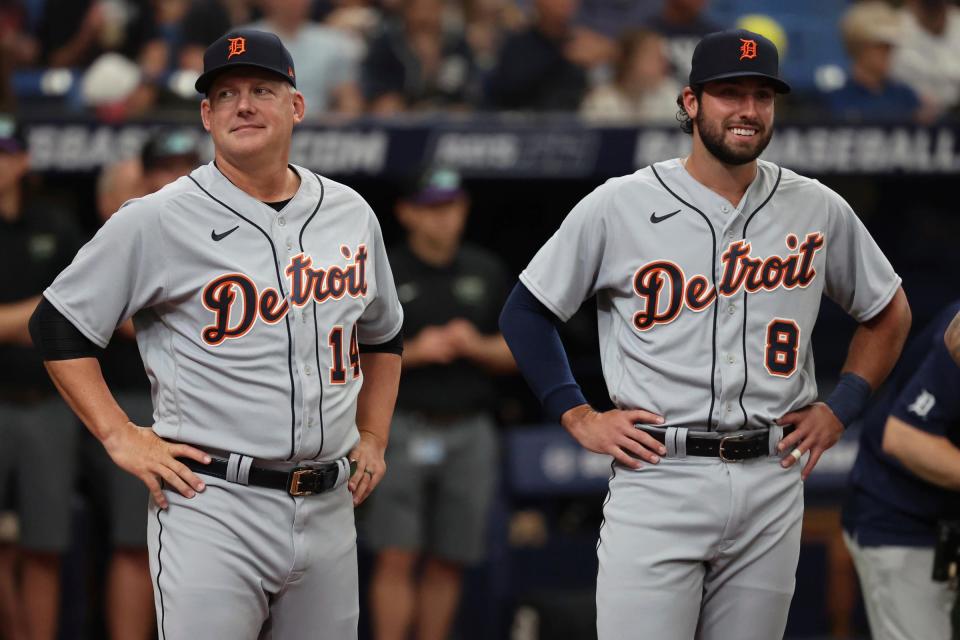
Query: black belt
733,447
298,481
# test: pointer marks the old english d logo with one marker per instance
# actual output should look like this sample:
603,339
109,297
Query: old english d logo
748,49
237,46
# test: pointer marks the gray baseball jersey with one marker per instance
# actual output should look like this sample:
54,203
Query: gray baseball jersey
249,322
247,319
705,312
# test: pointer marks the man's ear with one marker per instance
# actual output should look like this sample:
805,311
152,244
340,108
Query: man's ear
299,107
205,109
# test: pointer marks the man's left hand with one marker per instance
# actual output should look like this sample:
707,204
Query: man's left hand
369,456
817,429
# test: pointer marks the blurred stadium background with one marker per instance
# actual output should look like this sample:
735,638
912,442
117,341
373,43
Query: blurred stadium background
393,85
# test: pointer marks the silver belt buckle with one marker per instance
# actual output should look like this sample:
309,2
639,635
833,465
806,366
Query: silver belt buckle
723,440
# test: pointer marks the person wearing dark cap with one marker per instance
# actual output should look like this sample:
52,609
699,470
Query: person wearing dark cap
708,272
38,436
268,324
167,155
433,505
116,496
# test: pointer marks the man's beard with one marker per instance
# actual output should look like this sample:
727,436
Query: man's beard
713,140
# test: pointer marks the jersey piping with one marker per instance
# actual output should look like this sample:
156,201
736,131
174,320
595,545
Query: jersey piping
746,296
713,277
316,328
286,319
163,611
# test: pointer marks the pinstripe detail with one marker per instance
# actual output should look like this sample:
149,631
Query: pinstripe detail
713,278
316,329
746,296
286,318
163,612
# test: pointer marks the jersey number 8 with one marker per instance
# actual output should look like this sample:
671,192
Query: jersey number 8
783,339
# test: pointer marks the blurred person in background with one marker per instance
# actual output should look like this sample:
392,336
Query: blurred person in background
207,20
488,22
19,46
118,44
360,19
613,18
545,67
642,89
442,457
870,31
416,65
683,24
327,59
926,57
907,478
119,496
37,431
12,624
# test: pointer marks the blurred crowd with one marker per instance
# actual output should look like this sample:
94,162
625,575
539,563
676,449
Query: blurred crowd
611,60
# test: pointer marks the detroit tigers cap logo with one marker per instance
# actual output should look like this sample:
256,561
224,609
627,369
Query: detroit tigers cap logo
748,49
237,46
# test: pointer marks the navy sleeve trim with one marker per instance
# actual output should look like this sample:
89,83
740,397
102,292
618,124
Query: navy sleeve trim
530,330
393,345
56,338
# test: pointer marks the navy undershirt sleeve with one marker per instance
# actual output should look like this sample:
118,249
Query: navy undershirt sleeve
530,330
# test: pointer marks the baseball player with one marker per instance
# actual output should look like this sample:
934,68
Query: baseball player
904,481
708,272
269,327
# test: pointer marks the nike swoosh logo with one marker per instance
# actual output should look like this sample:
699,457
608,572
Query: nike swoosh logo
217,237
654,218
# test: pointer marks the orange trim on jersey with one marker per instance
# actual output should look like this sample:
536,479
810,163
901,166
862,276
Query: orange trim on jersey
782,338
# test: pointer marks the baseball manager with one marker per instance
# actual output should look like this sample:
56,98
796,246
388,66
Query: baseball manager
269,327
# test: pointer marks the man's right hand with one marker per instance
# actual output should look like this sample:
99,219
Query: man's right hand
138,450
614,433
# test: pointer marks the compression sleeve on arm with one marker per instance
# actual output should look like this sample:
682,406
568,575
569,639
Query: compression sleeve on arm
393,345
530,330
56,338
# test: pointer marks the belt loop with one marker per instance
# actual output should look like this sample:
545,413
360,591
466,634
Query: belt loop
775,435
243,472
343,468
238,469
675,440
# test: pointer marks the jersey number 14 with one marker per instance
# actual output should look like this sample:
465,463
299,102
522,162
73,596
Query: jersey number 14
338,372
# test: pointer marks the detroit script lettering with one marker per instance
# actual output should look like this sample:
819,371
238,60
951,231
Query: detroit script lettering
664,290
305,283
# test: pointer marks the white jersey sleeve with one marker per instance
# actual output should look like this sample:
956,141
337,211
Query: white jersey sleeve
565,271
859,277
383,317
120,271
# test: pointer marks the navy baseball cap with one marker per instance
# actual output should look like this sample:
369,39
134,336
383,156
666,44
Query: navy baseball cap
736,53
249,48
436,185
163,146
